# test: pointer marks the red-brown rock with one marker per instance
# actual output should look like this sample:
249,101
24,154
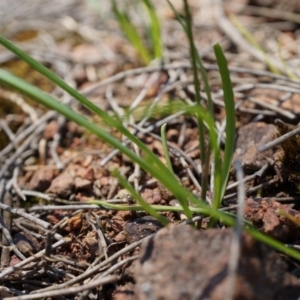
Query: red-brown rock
182,263
62,186
41,179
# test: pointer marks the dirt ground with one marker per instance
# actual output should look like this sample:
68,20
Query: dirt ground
55,246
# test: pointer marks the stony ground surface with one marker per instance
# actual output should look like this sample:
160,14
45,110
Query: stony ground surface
54,245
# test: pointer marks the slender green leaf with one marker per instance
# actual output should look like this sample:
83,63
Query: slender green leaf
197,63
230,119
131,33
195,77
145,206
273,243
154,30
165,146
179,18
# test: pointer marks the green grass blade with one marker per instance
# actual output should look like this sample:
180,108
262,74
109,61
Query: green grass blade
205,165
213,139
197,63
229,217
189,33
131,33
178,16
165,146
145,206
221,170
155,31
230,118
273,243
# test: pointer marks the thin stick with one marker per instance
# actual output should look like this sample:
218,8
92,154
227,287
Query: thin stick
49,115
250,177
10,240
28,260
232,32
236,238
13,182
8,131
5,252
67,291
19,151
272,13
175,66
109,271
29,217
279,141
19,100
38,194
274,108
63,207
165,147
255,188
96,268
55,143
102,240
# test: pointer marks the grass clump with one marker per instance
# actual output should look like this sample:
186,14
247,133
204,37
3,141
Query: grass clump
148,161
